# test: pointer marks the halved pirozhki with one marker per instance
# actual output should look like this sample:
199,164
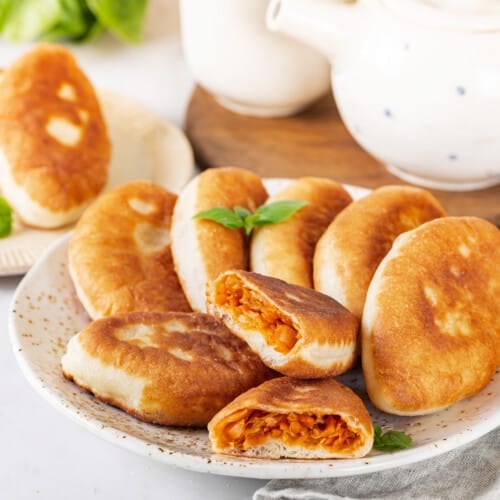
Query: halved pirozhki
287,417
295,330
285,250
201,248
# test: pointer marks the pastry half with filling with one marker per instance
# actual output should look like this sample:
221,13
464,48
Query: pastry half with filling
295,330
292,418
431,323
164,368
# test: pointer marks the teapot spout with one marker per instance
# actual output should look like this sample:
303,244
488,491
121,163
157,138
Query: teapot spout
322,24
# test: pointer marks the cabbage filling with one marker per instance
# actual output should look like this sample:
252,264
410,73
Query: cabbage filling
247,428
250,311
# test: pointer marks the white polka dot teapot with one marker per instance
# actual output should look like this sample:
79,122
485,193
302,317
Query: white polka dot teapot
417,82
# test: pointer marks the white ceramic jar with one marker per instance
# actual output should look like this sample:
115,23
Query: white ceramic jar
249,69
417,82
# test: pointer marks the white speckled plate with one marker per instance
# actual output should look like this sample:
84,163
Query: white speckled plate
144,147
45,313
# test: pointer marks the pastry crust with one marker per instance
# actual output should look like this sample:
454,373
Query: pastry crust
203,248
285,250
431,323
356,241
54,146
120,256
164,368
295,330
293,418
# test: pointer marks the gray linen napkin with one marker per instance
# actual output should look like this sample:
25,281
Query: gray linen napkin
469,472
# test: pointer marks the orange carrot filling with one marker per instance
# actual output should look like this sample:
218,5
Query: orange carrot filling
247,428
250,311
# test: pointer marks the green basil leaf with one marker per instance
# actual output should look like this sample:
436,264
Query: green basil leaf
390,440
277,211
242,212
5,218
242,217
248,225
223,216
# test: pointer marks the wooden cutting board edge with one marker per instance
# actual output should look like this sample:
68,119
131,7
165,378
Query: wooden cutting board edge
314,142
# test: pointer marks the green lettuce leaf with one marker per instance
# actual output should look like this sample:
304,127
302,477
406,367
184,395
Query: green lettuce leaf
30,19
94,31
124,18
5,218
74,22
5,6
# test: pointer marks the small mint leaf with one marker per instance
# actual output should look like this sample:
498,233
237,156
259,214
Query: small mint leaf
277,211
223,216
241,217
241,212
248,225
390,440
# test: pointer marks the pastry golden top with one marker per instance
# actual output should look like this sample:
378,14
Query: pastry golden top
191,364
309,414
224,248
203,248
286,250
292,394
431,324
362,234
120,256
51,129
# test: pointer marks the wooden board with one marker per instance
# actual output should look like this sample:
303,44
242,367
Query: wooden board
314,142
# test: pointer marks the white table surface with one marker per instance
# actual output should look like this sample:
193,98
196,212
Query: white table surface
43,454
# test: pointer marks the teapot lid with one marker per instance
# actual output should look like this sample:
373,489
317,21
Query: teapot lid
465,15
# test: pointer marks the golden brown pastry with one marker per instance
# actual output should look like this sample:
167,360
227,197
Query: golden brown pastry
293,418
203,248
352,247
165,368
54,146
286,250
120,256
431,323
295,330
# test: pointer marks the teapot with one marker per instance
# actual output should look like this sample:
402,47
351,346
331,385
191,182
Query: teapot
416,82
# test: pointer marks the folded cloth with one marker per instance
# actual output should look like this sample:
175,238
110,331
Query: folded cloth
469,472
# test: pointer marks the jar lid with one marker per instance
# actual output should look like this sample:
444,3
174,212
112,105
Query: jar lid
465,15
